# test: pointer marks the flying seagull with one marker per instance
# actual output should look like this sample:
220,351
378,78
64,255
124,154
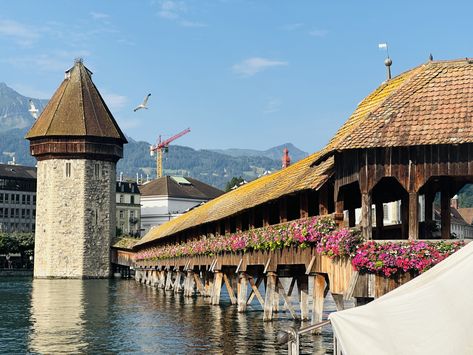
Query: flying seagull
33,110
143,104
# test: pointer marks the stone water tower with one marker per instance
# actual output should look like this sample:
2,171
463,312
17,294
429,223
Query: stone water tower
77,143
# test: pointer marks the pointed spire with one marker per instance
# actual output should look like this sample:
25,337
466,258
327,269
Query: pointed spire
77,109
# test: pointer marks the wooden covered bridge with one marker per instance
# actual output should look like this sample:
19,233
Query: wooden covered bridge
408,141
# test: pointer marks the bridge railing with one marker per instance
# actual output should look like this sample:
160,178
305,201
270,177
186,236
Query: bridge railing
291,336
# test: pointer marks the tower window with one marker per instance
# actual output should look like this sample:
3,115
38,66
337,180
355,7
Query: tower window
97,171
68,169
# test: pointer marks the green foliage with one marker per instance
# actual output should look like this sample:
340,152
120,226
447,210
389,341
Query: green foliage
22,243
235,181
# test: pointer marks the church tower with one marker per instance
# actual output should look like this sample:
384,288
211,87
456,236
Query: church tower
77,143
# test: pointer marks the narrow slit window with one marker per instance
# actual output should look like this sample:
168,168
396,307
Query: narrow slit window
68,169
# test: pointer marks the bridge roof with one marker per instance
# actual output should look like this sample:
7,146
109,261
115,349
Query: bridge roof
433,105
309,173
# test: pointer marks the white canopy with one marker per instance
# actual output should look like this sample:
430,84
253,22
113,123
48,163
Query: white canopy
432,314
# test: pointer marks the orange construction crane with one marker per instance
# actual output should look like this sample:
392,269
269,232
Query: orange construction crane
163,146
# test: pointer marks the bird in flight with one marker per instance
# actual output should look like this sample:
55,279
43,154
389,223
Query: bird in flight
33,110
143,104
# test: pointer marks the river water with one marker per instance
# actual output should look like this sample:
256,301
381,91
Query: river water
123,316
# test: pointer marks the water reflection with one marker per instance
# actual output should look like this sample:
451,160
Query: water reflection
102,316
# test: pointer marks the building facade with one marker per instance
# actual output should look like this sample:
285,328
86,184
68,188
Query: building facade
17,198
77,143
128,209
170,196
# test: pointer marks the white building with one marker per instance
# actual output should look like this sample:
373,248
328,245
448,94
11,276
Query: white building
170,196
128,208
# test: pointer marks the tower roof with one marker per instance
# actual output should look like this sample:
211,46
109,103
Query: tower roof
76,110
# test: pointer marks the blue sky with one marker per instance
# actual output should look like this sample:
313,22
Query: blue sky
244,74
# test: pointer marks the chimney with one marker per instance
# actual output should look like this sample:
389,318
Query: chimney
454,202
286,159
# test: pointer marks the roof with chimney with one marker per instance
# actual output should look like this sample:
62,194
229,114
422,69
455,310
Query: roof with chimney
77,110
180,187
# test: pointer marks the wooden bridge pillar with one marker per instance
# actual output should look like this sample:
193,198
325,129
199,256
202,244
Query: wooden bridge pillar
242,291
413,215
177,282
189,284
303,287
445,210
318,295
217,287
379,220
270,294
169,285
366,216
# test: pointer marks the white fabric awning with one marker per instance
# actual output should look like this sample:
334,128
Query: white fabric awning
432,314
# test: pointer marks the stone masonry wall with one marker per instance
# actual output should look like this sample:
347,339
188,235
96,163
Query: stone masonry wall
75,218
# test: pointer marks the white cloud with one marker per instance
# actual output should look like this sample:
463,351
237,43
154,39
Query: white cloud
251,66
292,26
99,15
174,10
186,23
318,33
273,105
115,102
21,33
128,123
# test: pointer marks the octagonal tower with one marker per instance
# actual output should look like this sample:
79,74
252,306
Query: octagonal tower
77,143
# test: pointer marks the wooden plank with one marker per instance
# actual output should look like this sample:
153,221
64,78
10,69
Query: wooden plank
338,298
199,284
311,264
351,285
413,215
228,285
287,301
255,291
318,291
303,286
366,216
271,280
242,290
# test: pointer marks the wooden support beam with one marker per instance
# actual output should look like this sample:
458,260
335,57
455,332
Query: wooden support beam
291,286
255,291
168,286
338,298
351,217
189,284
351,285
228,285
303,286
304,204
227,226
242,290
271,281
177,282
339,216
251,218
287,301
199,284
445,214
208,285
238,223
366,216
413,215
282,210
217,287
405,217
265,209
379,220
323,200
428,208
318,292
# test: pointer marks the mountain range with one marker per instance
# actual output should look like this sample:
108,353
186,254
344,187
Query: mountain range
215,167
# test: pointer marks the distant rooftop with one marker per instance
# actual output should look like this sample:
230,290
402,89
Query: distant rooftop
17,171
177,186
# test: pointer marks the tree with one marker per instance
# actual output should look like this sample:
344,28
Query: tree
235,181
